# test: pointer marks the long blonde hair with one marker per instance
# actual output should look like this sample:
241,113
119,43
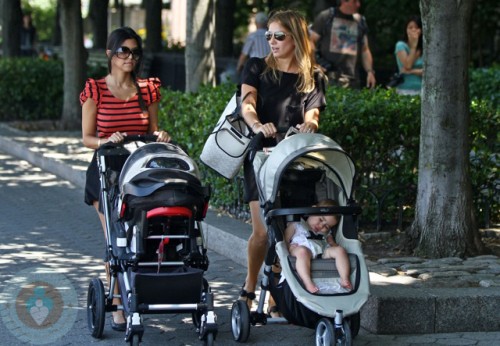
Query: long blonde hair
296,25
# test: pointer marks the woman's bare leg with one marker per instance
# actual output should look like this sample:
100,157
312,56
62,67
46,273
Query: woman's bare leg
117,315
257,248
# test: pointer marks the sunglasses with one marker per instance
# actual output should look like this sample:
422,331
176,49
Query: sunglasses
125,52
278,35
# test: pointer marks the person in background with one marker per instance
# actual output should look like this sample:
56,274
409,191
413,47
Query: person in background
340,37
305,249
113,107
409,58
282,90
255,44
28,36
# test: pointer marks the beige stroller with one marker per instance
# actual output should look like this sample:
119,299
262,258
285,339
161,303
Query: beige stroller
301,170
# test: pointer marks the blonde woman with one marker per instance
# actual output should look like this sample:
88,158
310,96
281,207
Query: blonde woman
283,89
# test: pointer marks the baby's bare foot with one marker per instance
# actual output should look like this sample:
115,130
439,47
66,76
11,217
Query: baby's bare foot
345,283
312,288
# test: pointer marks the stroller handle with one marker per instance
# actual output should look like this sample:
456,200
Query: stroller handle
257,142
129,139
348,210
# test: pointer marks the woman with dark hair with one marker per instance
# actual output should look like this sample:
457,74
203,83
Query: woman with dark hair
409,58
281,90
115,106
28,36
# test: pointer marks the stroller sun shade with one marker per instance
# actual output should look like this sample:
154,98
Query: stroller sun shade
304,150
157,156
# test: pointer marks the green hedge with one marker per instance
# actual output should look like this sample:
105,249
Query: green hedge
378,128
30,89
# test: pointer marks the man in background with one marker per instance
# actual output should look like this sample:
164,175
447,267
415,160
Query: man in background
340,37
256,44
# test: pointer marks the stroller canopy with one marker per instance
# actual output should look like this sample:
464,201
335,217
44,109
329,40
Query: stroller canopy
157,156
305,151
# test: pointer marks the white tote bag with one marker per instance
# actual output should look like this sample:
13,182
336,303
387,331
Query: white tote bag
226,147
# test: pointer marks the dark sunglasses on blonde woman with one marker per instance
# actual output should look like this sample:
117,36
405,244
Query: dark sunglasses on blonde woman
125,52
278,35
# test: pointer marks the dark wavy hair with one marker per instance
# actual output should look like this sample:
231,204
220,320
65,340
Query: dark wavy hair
115,41
418,21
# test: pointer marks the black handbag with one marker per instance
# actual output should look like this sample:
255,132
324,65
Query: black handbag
396,79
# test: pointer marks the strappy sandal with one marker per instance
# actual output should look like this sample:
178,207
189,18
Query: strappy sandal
249,297
119,327
274,312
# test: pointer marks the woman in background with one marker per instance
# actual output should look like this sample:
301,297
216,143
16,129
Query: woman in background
409,58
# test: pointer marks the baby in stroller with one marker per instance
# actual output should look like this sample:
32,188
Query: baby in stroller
298,236
293,179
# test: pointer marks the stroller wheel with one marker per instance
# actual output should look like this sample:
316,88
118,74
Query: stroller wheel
196,317
134,340
96,308
240,321
355,324
328,335
209,339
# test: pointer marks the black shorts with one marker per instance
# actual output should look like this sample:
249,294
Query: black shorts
92,183
249,183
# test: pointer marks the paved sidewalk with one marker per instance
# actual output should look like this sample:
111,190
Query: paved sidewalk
392,302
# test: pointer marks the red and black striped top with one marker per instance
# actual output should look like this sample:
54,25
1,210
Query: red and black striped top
114,114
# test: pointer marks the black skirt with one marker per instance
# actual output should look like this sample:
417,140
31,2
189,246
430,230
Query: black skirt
92,183
249,183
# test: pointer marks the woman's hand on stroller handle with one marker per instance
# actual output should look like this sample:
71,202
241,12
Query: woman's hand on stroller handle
118,139
162,136
307,127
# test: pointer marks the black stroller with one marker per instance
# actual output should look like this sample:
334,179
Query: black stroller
153,203
300,171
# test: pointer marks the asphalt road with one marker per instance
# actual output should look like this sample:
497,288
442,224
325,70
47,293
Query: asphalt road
49,237
48,234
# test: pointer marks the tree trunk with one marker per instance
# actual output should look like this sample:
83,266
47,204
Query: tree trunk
153,25
224,28
74,57
98,13
199,55
11,32
57,36
444,223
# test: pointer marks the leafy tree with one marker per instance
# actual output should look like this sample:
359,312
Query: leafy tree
224,27
11,20
153,25
98,14
444,224
199,55
74,56
43,14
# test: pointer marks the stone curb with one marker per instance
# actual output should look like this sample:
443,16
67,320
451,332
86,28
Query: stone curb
392,308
